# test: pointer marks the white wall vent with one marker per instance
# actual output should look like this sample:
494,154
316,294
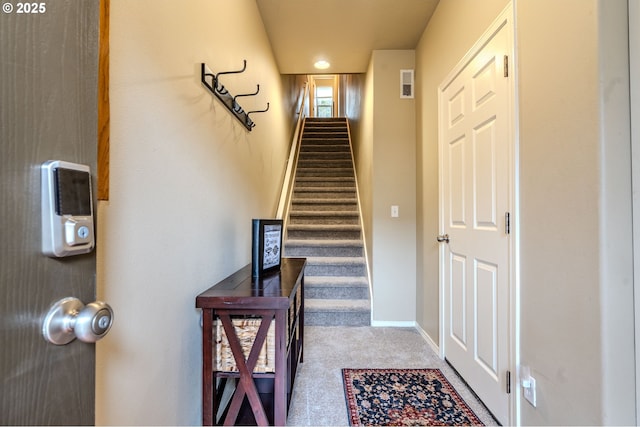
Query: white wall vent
406,83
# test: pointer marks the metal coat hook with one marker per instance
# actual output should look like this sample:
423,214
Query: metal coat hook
216,78
235,104
226,98
257,111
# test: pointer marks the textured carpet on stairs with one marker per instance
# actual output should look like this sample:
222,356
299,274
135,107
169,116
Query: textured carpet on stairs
324,226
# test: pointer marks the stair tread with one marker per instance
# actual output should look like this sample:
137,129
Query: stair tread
343,189
325,159
316,140
324,213
331,147
349,227
324,200
324,164
340,171
325,148
333,260
301,212
316,169
324,242
315,179
341,146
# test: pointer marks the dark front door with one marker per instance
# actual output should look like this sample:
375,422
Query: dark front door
48,86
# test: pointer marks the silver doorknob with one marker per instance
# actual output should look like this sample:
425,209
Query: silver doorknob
69,319
443,238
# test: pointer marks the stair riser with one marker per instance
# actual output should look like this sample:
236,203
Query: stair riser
324,207
325,128
311,161
311,121
336,293
322,149
329,172
349,203
341,126
325,134
306,220
322,156
335,270
333,134
323,251
302,183
327,141
347,190
323,234
328,154
325,148
328,318
324,164
324,144
325,194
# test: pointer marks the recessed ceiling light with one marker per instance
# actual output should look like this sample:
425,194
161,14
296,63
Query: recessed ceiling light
322,65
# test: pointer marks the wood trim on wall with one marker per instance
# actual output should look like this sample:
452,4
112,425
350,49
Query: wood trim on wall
103,103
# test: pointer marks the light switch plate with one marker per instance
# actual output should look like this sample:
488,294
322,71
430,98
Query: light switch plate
395,211
530,392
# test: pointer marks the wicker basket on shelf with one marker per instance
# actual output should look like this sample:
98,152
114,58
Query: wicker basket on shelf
246,329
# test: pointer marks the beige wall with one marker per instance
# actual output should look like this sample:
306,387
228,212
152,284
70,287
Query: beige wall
576,276
186,180
566,148
385,161
574,227
394,183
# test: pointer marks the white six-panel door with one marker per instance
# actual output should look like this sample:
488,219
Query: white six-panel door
475,147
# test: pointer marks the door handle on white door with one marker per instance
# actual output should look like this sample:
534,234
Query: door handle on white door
443,238
69,319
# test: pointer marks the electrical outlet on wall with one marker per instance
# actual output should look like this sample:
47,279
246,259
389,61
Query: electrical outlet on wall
528,385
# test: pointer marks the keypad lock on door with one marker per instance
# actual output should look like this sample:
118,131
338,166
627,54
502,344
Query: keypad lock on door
69,319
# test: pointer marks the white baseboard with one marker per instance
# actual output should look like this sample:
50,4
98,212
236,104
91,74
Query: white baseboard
393,324
435,347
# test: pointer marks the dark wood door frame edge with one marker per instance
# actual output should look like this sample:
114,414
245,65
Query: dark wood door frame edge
103,103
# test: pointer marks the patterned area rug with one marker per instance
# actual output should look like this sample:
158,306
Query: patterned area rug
404,397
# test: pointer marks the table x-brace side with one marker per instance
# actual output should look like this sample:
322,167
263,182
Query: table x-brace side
246,386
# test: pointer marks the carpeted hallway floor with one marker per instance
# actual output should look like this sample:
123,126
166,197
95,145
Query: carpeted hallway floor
318,396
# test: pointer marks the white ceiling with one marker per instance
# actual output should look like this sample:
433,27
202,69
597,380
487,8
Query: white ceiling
343,32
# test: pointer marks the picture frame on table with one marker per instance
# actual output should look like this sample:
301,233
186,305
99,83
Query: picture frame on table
266,246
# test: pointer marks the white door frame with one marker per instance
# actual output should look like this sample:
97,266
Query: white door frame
634,65
507,19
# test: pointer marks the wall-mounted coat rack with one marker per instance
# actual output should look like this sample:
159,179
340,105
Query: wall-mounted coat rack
226,98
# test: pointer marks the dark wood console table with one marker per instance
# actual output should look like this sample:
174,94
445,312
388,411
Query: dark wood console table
276,296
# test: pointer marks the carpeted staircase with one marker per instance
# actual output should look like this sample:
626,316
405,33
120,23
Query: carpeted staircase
324,227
